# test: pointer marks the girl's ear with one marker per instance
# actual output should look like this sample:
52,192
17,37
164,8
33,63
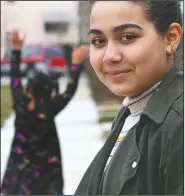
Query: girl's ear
173,38
31,106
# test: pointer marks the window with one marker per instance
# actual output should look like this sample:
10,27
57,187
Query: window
56,27
31,50
54,52
26,51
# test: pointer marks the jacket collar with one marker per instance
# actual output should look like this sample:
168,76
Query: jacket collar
168,91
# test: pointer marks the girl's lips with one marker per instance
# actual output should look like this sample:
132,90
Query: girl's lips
118,75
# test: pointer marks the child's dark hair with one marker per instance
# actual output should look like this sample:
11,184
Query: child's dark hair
161,13
40,84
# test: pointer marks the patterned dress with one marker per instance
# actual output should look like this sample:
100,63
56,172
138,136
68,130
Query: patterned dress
35,166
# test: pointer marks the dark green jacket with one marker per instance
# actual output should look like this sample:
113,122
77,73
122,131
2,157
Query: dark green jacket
150,159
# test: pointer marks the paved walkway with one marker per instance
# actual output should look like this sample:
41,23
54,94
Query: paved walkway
78,131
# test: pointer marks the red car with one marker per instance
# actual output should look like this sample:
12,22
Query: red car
48,58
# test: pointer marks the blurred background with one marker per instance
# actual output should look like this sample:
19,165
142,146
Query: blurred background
53,28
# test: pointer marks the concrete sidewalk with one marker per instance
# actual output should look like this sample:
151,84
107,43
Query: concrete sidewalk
79,134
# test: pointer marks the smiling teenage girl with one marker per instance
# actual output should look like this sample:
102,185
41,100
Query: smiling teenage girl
132,44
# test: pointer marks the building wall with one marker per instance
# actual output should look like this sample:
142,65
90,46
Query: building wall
28,17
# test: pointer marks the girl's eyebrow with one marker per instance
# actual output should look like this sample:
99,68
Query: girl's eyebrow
115,29
126,26
95,31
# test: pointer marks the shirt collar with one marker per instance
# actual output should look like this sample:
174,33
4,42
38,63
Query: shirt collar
169,90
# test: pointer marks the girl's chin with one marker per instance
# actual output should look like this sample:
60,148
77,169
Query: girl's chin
121,91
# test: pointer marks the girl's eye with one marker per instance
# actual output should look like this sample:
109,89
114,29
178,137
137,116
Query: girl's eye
97,41
128,37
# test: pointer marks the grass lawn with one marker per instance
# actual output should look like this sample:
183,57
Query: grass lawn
105,134
6,104
106,117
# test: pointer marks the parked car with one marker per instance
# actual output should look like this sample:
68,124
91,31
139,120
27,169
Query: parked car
55,59
48,58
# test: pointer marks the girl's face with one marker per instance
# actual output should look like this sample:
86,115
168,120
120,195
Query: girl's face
31,104
126,52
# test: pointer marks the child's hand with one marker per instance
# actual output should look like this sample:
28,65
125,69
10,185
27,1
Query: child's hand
16,40
80,54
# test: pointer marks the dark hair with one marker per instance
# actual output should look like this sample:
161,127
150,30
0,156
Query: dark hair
40,84
161,13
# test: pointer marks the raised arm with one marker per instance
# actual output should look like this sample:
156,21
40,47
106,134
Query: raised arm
15,81
61,100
